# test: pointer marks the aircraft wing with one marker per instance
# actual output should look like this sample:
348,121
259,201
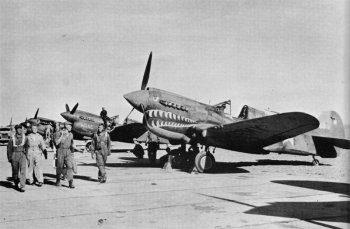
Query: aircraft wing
46,120
250,135
128,132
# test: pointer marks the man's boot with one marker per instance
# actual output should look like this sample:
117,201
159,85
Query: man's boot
16,182
71,185
58,183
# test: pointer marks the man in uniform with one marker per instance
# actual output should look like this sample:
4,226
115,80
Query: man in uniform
101,146
16,156
64,143
35,146
103,115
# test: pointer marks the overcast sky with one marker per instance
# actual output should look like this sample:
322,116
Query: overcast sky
277,54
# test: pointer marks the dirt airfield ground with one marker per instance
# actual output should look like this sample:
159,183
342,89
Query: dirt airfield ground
245,191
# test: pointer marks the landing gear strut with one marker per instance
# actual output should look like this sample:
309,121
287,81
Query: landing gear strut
152,152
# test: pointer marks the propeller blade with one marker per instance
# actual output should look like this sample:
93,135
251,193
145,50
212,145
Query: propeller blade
11,122
26,119
74,108
36,113
67,108
146,74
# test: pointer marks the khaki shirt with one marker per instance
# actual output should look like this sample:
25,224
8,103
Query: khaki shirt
35,143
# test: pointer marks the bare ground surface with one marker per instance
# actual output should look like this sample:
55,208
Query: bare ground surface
245,191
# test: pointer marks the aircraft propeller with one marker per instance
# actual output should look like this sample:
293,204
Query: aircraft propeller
146,74
67,108
36,114
144,81
74,108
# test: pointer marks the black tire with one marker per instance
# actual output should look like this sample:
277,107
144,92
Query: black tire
138,151
204,162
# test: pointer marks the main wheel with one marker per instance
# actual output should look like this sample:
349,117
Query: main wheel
138,151
204,162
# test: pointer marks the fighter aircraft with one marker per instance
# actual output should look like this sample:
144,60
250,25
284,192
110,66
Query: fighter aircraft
6,132
185,121
45,127
85,124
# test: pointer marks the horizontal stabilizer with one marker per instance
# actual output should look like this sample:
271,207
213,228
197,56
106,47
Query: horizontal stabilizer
338,142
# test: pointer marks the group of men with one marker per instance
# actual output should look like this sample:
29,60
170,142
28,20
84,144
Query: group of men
26,151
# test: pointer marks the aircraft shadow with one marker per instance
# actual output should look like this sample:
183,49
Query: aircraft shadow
234,167
273,162
333,211
341,188
312,212
220,167
120,150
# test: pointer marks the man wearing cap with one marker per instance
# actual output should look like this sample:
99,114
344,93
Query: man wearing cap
35,146
16,156
104,117
64,143
101,146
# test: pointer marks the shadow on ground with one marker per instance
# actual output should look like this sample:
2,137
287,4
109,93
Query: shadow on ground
273,162
312,212
53,176
333,211
220,167
334,187
8,184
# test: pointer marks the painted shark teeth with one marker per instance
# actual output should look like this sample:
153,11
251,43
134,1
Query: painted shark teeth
164,118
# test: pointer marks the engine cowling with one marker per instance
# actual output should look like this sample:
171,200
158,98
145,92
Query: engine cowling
84,129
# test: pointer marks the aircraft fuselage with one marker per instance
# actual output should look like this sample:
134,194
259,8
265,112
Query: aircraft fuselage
84,124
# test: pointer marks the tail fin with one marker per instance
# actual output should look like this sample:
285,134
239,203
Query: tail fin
330,133
331,125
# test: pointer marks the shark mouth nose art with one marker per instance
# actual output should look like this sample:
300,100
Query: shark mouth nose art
158,118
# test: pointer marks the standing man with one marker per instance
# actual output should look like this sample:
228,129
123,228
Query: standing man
64,143
101,146
35,148
16,156
103,115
